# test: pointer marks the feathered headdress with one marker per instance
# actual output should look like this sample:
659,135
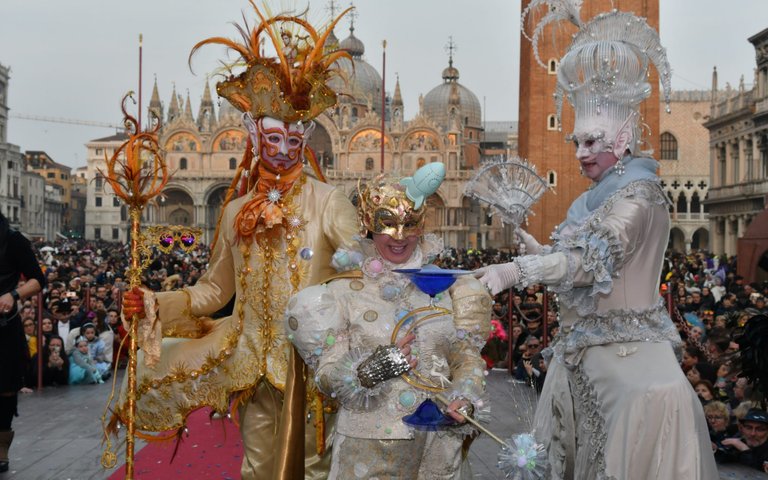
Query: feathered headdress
293,86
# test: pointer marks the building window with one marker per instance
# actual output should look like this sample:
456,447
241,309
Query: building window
115,202
552,178
97,233
115,234
551,122
232,163
183,164
98,201
51,175
369,163
98,182
99,151
552,66
668,146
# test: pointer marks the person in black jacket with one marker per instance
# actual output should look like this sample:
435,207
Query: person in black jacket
55,363
752,448
16,259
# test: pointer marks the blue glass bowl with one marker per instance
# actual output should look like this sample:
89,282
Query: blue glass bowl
432,279
428,417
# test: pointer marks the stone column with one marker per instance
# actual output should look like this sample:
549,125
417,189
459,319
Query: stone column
731,231
741,225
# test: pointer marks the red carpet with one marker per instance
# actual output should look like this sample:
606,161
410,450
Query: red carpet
213,449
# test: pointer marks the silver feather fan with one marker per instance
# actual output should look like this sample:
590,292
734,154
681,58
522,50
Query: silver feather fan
509,186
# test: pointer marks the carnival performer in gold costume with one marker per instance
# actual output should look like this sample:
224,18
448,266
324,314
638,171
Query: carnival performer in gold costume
273,240
343,330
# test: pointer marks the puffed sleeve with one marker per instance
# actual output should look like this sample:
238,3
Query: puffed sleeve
318,326
472,320
584,264
339,219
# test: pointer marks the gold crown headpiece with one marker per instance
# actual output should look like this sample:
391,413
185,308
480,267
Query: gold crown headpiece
293,86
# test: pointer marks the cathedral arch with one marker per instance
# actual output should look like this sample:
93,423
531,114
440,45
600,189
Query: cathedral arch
421,140
214,203
700,239
368,140
321,144
182,142
676,239
230,140
174,205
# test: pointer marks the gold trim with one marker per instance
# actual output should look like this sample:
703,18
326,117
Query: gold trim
347,274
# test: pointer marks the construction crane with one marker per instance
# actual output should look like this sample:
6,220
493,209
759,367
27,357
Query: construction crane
71,121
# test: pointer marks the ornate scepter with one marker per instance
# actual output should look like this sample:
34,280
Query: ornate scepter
137,173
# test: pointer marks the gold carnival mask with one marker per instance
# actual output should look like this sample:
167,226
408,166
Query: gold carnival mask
397,207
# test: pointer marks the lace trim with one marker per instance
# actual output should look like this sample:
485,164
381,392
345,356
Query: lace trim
616,326
602,254
602,251
591,420
531,269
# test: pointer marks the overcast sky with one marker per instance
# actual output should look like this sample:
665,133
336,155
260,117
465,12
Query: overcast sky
75,59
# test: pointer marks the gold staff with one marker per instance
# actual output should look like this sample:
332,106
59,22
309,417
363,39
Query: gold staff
137,173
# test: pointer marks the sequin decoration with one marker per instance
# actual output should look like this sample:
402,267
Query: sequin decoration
274,195
370,316
293,323
306,253
356,285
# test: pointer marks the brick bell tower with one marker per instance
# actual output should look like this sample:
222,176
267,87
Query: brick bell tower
540,139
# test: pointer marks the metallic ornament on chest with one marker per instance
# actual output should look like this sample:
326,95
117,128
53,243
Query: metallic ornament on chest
274,195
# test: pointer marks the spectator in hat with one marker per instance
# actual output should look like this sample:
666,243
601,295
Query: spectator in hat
751,448
760,305
62,313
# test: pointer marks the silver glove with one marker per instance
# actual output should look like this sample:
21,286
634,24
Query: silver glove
386,362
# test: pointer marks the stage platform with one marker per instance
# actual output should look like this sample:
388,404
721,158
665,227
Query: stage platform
58,435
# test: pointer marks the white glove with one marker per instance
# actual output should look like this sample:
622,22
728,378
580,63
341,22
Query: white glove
532,246
497,278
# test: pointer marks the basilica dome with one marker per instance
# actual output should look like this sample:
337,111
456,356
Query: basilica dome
451,95
363,80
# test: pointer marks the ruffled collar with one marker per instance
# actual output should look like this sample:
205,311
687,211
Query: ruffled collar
627,170
365,257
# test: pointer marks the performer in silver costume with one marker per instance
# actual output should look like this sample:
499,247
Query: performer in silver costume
615,404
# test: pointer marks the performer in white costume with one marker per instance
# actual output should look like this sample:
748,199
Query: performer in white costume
615,404
343,330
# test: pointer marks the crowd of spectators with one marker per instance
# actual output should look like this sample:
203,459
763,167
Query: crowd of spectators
80,325
82,331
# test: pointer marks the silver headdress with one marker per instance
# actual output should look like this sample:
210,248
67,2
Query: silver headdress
604,73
